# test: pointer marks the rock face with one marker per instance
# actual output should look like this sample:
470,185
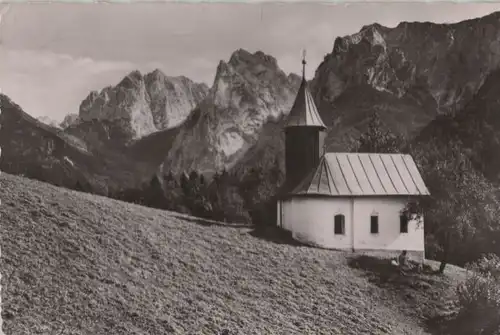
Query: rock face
48,121
70,120
447,61
247,91
409,74
142,104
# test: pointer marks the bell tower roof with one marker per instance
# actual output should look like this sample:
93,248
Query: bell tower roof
304,112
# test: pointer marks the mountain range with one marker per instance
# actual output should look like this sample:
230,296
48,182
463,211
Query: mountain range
421,78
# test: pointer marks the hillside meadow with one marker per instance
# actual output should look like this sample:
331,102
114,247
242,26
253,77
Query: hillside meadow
77,263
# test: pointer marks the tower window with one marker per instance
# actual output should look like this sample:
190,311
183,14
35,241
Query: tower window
374,224
403,224
339,224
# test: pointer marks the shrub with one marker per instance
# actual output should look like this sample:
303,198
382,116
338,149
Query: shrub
489,265
479,298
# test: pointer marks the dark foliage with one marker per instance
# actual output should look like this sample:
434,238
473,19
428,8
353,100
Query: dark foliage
378,138
479,299
245,196
226,201
461,213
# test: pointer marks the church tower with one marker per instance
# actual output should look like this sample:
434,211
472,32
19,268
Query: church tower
305,135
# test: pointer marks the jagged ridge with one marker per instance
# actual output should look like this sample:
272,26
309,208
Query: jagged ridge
142,104
408,74
248,90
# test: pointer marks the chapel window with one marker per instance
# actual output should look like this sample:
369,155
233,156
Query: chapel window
374,224
339,224
403,223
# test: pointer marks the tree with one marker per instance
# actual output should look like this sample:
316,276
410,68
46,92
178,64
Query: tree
173,193
194,177
259,186
133,195
227,203
250,182
185,183
195,194
154,195
78,186
462,209
378,139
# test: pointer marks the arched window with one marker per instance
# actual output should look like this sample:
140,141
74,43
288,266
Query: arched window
339,224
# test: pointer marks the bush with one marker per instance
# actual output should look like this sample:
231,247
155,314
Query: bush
479,298
489,265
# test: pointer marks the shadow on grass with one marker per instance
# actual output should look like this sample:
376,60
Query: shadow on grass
443,324
270,234
460,324
275,235
382,271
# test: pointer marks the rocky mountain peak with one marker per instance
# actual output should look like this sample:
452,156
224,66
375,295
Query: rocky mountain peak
155,75
223,70
248,90
373,34
142,104
448,61
244,75
244,59
69,120
132,81
295,79
408,75
374,27
48,121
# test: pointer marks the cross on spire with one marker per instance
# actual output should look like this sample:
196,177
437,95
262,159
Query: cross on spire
304,63
304,112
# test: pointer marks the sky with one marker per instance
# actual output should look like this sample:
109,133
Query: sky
53,54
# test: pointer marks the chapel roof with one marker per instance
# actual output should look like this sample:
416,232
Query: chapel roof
363,174
304,112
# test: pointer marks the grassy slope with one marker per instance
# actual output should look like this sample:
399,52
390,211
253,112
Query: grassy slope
76,263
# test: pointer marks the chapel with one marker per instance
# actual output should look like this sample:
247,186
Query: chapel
338,200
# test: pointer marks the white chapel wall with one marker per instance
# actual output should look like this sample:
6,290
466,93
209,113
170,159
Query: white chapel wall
389,236
311,220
